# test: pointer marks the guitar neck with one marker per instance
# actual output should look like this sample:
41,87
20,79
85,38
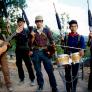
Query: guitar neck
1,43
8,39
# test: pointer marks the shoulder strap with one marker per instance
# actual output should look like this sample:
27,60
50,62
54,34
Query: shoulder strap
79,36
66,40
45,30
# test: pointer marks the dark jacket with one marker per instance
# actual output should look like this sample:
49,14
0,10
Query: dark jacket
43,39
22,40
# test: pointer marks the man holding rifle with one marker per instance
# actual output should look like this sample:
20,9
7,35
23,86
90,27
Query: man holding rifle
22,51
41,39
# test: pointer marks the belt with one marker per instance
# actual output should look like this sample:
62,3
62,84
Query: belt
39,48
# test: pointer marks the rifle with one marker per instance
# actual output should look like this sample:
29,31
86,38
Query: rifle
26,19
57,19
89,17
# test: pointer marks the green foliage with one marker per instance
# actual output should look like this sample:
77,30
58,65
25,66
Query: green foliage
2,23
13,45
14,12
59,50
87,52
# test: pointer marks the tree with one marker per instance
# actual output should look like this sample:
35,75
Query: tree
9,9
64,21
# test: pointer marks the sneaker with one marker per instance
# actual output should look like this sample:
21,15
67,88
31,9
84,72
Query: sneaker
21,82
55,90
39,89
10,89
33,83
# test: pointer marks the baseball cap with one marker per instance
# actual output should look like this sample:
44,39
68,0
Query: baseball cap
38,18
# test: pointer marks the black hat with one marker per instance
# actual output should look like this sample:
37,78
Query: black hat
20,19
73,22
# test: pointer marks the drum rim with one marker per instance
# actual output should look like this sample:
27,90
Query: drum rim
75,53
63,55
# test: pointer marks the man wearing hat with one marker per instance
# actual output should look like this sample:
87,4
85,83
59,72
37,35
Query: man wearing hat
42,37
22,51
73,39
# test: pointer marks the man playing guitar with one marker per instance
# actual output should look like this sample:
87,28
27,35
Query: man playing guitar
4,63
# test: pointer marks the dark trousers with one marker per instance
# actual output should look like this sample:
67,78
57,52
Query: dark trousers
23,55
71,86
90,76
37,58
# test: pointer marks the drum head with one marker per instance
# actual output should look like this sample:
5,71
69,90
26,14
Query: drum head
63,59
75,57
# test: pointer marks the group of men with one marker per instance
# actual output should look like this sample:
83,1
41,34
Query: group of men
33,43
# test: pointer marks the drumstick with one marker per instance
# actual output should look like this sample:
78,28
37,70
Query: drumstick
69,47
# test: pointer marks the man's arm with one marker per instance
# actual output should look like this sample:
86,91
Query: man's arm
82,46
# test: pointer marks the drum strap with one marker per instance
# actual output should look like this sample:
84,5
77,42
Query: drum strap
66,40
79,40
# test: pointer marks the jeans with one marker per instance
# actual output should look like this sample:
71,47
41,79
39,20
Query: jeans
38,57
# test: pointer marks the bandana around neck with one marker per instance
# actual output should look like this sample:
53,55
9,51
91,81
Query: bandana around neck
73,34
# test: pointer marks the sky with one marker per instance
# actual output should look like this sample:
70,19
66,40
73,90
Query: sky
76,9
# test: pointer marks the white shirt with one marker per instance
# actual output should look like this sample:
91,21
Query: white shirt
40,30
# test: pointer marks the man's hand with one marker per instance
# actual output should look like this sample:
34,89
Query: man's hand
33,34
81,52
30,53
90,35
19,29
8,44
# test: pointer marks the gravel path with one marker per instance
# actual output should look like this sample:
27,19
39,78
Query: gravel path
26,87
